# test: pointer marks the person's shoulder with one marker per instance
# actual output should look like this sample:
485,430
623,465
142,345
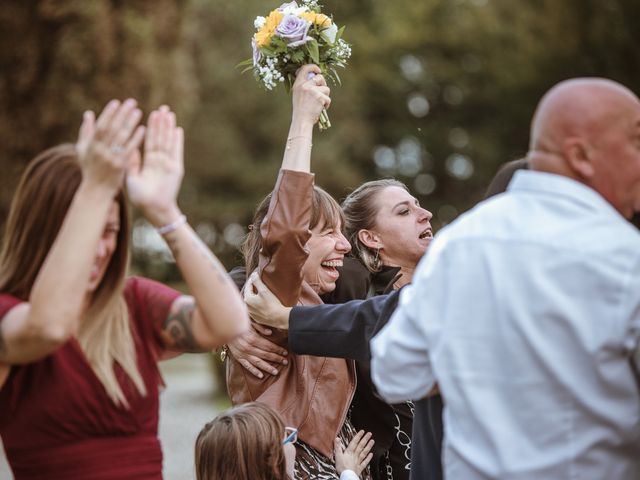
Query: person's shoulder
7,302
136,288
504,175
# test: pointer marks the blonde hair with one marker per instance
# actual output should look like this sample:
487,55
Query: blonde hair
37,212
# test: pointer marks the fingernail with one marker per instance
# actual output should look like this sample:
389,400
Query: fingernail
284,352
274,372
284,362
260,375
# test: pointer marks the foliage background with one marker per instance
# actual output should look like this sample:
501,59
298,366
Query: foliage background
439,93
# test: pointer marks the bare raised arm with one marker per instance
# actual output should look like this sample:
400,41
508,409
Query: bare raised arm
310,94
51,315
215,314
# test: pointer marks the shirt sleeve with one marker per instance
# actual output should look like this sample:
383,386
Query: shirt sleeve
401,366
150,303
349,475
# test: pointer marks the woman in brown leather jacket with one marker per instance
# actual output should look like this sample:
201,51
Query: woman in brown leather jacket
297,243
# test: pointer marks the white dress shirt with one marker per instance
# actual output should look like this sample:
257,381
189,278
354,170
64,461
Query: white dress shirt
526,311
349,475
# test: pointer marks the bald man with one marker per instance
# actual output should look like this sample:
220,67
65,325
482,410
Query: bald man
526,310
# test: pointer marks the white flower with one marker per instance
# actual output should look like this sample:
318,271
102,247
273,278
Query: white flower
330,33
259,22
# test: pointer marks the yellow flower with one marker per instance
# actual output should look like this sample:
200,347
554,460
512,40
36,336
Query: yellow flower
319,19
264,35
273,20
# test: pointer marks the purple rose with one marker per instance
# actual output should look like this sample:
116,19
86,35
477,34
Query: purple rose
257,55
294,30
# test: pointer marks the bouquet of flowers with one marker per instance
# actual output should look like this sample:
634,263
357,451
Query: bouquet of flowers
294,35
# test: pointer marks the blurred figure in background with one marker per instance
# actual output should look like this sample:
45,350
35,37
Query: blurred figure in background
79,342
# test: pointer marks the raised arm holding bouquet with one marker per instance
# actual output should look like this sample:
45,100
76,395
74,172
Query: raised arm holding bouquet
294,35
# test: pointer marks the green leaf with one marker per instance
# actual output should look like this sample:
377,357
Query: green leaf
340,32
245,63
312,48
297,56
336,76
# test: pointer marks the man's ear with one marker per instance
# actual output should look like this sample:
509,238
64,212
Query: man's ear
369,239
578,156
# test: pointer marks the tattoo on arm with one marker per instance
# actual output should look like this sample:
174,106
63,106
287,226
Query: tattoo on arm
179,327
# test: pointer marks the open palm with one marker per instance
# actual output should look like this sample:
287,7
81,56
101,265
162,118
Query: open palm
153,183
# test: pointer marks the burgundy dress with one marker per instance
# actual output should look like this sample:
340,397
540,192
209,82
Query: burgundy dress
56,419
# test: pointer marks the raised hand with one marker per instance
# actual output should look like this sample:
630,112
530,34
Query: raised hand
356,456
310,94
154,183
104,145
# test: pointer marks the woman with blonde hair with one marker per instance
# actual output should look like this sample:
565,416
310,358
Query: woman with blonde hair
80,342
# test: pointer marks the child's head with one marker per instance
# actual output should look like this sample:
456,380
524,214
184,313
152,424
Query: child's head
244,443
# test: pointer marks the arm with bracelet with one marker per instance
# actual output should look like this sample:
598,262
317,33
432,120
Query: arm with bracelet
214,314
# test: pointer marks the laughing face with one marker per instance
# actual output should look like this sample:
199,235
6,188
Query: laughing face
402,228
106,247
327,248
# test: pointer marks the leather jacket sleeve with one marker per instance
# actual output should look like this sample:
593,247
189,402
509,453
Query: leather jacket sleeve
284,232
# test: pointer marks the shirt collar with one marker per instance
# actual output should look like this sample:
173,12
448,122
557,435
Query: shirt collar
560,186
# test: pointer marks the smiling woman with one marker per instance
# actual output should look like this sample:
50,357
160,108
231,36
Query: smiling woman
296,244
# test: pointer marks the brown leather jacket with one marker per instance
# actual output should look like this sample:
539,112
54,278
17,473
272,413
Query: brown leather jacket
312,394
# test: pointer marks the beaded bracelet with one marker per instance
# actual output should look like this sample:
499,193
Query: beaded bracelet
173,226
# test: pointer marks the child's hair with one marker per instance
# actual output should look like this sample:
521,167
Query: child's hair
243,443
